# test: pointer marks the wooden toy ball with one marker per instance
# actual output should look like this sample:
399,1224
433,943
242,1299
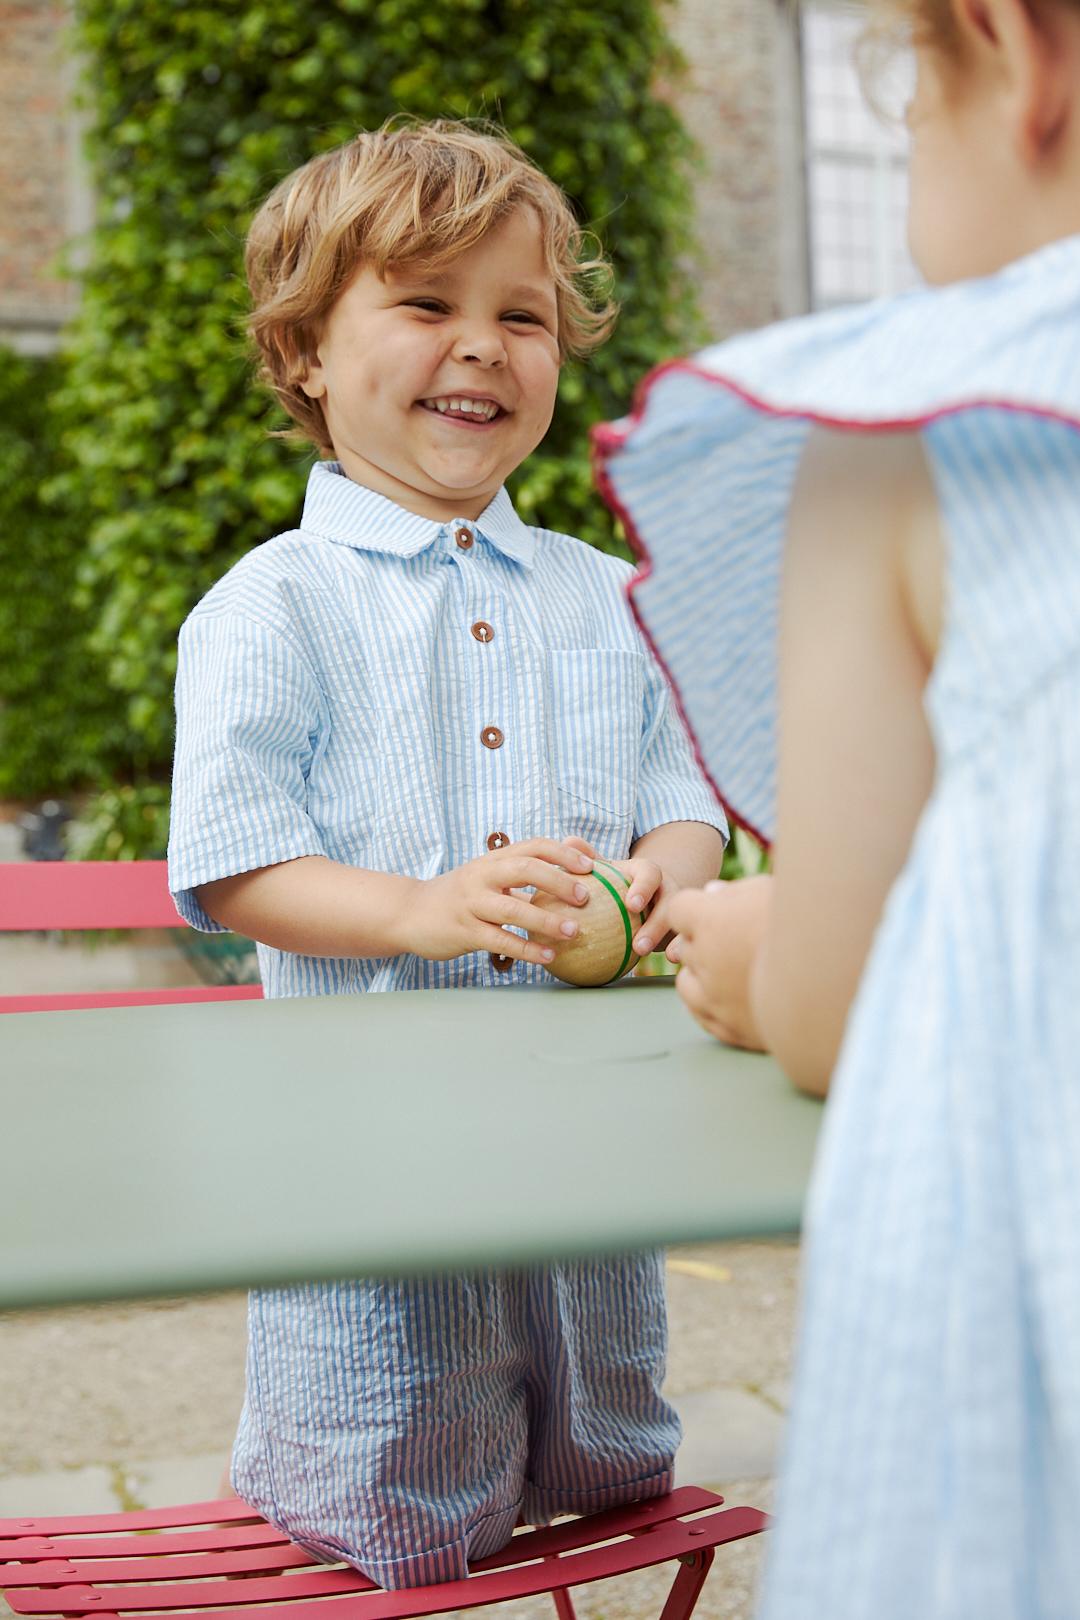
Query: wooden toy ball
601,951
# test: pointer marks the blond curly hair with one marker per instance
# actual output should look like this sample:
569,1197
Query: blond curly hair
408,193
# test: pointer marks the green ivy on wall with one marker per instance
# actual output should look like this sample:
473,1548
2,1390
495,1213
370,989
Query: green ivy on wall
59,724
196,111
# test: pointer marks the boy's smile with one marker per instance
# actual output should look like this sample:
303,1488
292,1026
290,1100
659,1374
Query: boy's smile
467,411
436,384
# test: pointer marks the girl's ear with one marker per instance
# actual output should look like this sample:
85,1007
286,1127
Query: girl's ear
1024,45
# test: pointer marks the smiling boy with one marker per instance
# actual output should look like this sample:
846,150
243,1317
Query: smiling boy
391,722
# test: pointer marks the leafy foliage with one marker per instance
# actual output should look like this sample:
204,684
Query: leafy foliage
744,856
197,110
59,724
123,822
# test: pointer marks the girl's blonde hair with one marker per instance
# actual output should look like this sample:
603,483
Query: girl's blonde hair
406,194
927,22
893,23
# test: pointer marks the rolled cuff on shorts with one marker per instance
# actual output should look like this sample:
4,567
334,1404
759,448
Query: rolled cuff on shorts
543,1503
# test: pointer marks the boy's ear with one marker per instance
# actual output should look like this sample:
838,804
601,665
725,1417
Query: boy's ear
306,366
312,381
1023,44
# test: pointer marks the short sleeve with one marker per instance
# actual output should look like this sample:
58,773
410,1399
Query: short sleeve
671,785
249,714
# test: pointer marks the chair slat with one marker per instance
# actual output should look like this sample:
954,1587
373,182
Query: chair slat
229,1509
85,894
66,1571
87,1000
144,1544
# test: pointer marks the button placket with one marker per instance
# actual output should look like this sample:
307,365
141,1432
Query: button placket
484,676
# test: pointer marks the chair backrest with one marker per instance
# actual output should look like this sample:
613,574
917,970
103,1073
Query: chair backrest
96,894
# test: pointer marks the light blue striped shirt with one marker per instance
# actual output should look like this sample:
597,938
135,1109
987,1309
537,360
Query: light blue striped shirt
340,689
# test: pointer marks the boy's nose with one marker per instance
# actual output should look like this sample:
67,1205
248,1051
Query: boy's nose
484,349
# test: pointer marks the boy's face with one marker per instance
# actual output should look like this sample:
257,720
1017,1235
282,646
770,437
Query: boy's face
398,358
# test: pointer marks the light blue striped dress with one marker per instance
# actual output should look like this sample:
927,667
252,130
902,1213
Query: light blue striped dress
333,696
933,1459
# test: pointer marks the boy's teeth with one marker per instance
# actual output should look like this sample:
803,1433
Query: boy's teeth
468,406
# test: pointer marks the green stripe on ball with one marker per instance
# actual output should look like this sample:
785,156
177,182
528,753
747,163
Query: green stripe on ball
623,912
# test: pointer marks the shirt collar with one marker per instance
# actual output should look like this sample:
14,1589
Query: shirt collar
337,509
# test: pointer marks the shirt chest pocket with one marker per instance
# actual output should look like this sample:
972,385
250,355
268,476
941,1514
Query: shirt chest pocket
595,723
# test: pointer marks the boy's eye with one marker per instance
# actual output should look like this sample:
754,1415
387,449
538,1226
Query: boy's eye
526,317
429,305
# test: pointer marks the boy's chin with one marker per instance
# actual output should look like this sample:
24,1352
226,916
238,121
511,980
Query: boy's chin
471,474
448,482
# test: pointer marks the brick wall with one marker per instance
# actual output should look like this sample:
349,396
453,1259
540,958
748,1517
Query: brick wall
41,196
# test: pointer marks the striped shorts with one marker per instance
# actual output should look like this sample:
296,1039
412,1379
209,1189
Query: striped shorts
406,1425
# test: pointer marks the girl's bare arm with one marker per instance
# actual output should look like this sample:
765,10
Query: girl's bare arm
860,618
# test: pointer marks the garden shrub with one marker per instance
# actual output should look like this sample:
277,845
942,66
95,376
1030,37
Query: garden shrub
196,111
59,723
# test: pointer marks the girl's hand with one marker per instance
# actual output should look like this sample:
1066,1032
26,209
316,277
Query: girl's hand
472,907
720,932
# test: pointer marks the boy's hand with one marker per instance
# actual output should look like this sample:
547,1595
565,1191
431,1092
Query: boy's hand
472,907
720,930
647,884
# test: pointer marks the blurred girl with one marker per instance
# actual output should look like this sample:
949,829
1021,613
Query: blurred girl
912,471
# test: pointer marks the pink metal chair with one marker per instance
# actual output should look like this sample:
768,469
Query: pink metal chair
96,894
114,1565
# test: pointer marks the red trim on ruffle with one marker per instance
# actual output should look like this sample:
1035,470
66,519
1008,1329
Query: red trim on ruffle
609,438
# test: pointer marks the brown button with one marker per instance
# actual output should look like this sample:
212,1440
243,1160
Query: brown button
492,737
463,538
501,964
497,841
482,630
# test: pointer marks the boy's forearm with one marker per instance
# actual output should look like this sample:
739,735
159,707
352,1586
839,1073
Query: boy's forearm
688,853
315,907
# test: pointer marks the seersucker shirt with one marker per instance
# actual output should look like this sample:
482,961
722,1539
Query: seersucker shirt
403,695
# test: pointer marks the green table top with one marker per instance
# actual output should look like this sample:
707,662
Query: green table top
170,1149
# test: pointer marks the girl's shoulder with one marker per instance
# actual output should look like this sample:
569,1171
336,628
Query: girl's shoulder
1011,339
702,474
